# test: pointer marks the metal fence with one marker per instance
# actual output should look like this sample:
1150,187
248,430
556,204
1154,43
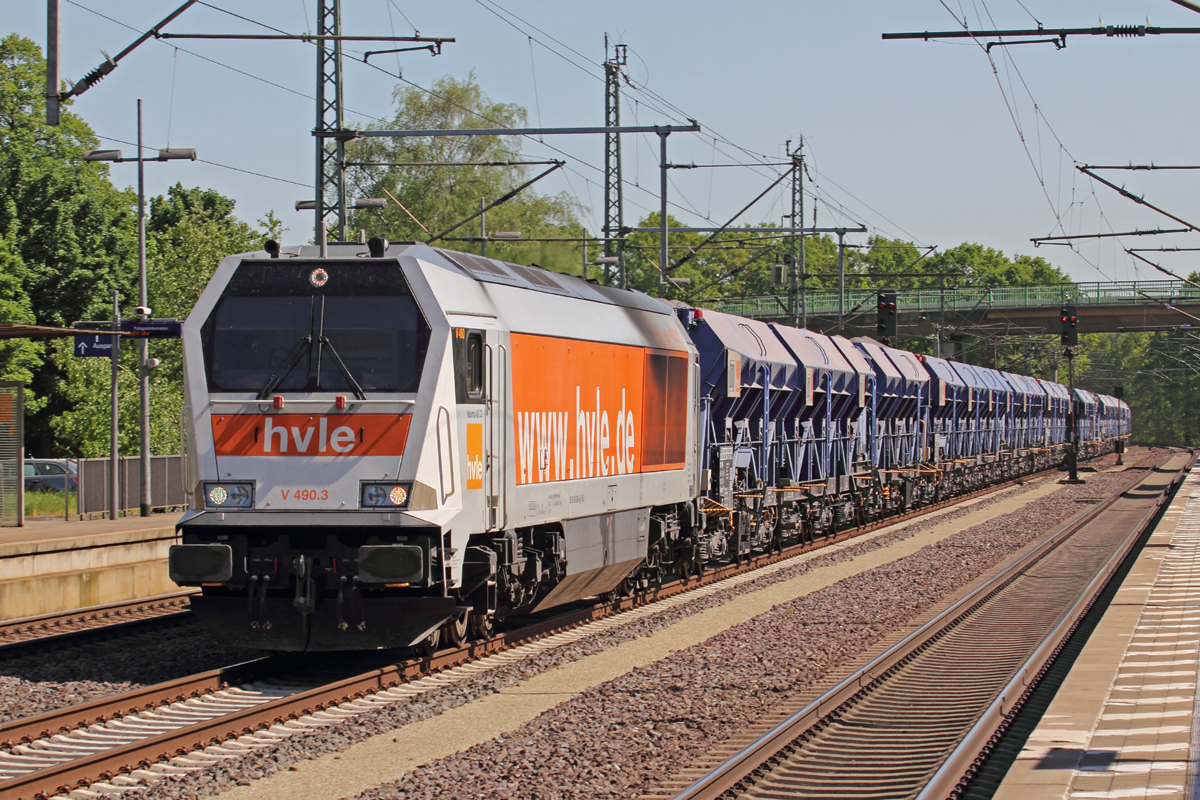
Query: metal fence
166,483
1080,294
12,446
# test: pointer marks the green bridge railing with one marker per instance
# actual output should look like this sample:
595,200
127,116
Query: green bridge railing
924,300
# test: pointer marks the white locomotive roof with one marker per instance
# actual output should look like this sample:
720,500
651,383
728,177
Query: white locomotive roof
490,270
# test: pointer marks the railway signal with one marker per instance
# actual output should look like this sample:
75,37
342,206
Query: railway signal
1068,327
885,320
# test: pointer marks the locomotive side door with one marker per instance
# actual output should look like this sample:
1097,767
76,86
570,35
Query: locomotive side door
495,431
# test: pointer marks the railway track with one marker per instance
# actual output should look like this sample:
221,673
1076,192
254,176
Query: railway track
917,721
185,724
20,637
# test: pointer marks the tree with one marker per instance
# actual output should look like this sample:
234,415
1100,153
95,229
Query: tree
189,231
70,235
425,200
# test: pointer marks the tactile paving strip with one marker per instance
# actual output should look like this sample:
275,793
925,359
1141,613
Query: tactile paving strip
1140,745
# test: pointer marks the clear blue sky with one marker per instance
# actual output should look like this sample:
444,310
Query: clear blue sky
919,140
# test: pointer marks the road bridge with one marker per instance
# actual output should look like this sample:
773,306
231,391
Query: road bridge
1115,306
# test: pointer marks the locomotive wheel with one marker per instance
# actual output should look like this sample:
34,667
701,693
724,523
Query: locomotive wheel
454,632
683,568
482,625
430,644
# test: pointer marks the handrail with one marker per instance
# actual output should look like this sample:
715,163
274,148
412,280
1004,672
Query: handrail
972,298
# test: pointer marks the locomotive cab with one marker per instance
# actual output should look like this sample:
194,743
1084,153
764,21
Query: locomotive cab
393,450
306,529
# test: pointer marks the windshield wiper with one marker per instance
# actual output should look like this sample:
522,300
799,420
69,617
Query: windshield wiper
302,347
358,392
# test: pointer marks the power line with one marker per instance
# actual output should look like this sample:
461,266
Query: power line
641,89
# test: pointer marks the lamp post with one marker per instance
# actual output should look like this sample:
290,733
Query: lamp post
143,310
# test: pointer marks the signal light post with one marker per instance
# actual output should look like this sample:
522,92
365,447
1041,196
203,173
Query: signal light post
1068,332
885,320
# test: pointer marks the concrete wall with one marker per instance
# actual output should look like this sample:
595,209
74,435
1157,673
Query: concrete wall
44,576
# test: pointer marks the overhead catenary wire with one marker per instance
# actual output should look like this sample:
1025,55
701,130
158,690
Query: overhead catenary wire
641,89
1038,116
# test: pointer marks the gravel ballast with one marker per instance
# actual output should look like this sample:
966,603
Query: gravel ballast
41,682
622,736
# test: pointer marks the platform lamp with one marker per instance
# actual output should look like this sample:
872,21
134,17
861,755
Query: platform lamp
143,309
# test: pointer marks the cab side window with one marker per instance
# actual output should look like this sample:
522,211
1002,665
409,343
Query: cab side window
474,366
470,355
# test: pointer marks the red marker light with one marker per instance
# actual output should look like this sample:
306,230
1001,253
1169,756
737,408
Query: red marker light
339,401
699,313
277,401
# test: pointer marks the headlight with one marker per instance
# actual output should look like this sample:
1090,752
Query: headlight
228,495
384,495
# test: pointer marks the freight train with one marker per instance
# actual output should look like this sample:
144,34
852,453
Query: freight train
401,446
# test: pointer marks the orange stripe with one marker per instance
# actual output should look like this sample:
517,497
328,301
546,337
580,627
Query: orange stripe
310,434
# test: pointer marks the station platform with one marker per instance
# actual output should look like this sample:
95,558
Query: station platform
55,565
1124,723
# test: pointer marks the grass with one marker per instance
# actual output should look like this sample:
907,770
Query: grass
46,504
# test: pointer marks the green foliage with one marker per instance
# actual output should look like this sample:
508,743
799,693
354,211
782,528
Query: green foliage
193,230
68,240
19,358
1160,374
424,201
66,236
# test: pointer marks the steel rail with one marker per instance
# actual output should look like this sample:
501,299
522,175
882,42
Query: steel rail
83,715
964,761
738,771
27,635
34,624
64,777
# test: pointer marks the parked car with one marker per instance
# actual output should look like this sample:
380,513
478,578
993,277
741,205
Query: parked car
49,474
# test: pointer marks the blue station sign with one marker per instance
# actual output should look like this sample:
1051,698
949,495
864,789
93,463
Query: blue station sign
93,346
99,345
152,328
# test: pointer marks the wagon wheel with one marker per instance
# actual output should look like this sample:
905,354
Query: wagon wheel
430,644
684,567
482,625
454,632
770,525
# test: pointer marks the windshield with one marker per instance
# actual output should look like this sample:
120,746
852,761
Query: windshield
287,325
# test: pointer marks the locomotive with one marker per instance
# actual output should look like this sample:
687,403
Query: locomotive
400,445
